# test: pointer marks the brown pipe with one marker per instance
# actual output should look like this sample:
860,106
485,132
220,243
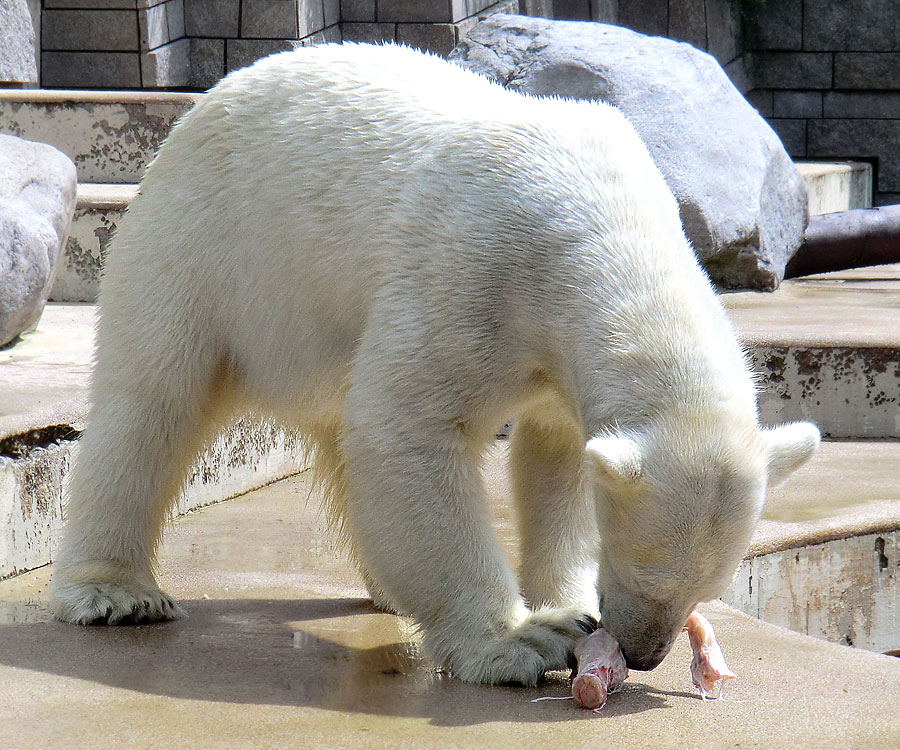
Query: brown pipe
848,239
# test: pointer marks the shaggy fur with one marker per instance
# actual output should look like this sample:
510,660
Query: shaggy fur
395,256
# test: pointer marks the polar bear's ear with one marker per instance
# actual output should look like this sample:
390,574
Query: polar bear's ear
616,458
789,447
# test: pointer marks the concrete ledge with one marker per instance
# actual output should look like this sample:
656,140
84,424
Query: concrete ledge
98,209
111,136
837,186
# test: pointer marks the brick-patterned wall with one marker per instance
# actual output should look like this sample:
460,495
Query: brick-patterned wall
827,77
114,44
435,25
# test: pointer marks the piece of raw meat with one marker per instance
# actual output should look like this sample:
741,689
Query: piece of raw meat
601,669
708,668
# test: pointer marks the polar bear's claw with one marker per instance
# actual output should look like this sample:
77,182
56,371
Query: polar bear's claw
543,641
113,604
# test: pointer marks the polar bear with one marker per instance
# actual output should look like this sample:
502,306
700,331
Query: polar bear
394,256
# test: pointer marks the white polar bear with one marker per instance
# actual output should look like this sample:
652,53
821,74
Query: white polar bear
395,255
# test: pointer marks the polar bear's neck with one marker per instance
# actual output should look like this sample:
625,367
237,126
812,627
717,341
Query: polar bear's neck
661,344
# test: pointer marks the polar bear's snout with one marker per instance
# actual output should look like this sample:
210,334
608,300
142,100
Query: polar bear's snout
645,629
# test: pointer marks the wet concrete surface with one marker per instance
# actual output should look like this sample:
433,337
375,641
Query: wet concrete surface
282,649
855,308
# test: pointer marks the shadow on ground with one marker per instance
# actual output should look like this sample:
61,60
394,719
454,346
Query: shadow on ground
338,654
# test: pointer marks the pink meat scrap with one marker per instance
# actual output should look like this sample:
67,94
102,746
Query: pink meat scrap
708,668
601,669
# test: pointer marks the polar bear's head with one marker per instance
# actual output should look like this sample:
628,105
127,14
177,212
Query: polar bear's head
677,507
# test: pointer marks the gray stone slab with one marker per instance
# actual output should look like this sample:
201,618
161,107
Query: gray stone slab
211,18
723,29
860,138
791,70
168,66
371,33
354,11
240,53
792,134
687,22
311,17
175,19
572,10
776,25
762,100
18,48
867,70
872,25
332,12
207,62
743,204
99,70
89,30
420,11
645,16
153,27
476,6
92,4
269,19
862,104
886,199
37,198
797,104
439,38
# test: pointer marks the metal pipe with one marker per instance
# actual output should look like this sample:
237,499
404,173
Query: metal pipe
848,239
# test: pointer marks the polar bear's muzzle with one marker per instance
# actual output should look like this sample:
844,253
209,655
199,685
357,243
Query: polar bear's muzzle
645,629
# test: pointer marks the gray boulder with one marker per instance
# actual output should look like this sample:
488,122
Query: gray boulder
18,62
743,202
37,200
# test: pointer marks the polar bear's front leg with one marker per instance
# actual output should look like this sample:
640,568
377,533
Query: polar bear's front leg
557,520
421,527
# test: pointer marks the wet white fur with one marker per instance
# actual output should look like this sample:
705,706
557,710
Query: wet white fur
394,256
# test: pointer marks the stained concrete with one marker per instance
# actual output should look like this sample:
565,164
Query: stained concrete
282,649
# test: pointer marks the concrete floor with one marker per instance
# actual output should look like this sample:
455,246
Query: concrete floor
282,649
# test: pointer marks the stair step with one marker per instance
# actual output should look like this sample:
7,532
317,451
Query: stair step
44,386
110,135
827,349
837,185
98,209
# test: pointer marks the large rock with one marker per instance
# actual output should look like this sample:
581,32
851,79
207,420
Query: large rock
18,62
743,203
37,199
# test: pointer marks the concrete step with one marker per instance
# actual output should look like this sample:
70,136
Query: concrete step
110,135
43,404
98,209
827,349
825,559
837,186
282,649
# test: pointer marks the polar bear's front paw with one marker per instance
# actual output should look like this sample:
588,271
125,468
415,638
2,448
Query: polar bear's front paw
112,604
543,641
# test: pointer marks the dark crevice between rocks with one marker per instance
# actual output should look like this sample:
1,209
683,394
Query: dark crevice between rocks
24,444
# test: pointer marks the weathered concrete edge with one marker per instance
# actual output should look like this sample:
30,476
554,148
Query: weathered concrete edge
249,455
778,536
65,96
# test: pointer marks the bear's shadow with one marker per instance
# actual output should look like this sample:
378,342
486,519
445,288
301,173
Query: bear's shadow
284,652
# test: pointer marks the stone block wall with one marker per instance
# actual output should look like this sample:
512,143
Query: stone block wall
119,44
826,75
228,34
434,25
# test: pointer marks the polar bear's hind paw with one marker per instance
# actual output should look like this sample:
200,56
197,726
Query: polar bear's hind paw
113,604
